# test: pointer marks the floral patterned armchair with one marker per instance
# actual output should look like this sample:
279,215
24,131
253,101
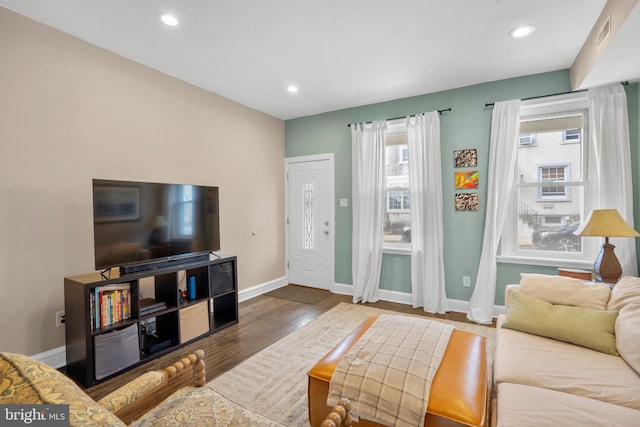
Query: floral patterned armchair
24,380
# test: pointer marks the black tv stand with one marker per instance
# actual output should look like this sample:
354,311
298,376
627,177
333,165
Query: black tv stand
172,262
102,343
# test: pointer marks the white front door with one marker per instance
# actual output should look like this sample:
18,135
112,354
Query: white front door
310,216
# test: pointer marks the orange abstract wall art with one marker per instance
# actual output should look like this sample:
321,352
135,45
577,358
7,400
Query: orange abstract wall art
466,180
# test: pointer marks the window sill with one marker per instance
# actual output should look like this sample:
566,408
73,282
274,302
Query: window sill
545,262
545,200
396,249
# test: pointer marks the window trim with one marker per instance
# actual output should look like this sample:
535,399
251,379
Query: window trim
398,248
509,251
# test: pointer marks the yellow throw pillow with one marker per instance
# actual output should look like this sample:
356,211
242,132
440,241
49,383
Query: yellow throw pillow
586,327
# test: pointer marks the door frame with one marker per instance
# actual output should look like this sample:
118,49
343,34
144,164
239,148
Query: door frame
332,212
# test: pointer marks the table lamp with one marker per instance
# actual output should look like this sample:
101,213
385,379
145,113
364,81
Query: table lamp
606,223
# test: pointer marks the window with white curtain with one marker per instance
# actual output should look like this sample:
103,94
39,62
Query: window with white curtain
548,201
397,216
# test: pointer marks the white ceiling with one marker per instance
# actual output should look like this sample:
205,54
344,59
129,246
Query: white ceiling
341,53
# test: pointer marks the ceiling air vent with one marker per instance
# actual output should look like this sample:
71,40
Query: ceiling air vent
604,31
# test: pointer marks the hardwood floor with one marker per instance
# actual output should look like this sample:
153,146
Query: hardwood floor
263,321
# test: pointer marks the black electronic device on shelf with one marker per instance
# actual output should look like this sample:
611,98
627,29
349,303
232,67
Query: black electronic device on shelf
152,344
150,305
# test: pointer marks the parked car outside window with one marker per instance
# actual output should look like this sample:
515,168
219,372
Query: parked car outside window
558,238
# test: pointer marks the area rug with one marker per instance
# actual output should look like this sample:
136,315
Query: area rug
298,293
273,382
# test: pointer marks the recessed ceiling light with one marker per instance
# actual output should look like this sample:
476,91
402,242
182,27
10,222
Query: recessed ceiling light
522,31
292,88
169,19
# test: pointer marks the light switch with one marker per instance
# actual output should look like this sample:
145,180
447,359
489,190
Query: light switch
344,203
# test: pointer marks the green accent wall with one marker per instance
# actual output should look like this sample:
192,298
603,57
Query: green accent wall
466,126
396,273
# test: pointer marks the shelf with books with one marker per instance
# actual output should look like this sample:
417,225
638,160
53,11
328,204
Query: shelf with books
143,315
109,305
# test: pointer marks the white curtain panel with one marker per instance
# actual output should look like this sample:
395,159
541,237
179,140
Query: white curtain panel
367,150
427,240
505,125
610,186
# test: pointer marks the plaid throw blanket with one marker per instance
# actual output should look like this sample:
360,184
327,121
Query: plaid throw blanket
387,374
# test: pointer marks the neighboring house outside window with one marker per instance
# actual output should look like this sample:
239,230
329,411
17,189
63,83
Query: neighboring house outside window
397,234
571,135
553,178
527,139
547,202
397,201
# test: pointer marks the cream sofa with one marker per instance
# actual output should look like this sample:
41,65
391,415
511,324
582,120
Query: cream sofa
568,353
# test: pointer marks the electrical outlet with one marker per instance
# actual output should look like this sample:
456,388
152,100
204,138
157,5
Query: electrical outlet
59,319
466,281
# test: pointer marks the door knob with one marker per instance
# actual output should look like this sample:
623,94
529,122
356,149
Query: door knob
326,232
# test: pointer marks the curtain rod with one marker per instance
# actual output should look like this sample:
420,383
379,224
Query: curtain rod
491,104
397,118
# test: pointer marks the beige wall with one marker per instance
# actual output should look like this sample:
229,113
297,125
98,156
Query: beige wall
618,11
70,112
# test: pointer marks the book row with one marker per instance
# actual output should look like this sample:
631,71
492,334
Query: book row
109,305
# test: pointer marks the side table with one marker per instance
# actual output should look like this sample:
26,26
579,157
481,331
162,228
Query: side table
575,273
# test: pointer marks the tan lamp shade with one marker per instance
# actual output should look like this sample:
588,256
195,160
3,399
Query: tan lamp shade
157,222
606,223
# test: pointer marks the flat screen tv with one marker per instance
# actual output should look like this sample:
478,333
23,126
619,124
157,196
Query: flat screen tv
144,223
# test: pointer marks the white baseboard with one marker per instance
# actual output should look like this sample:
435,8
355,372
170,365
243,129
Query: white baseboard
263,288
342,289
456,305
56,357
